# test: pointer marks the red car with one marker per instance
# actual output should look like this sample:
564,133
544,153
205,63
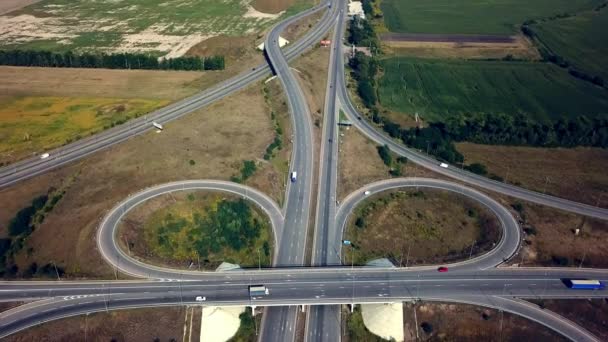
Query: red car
442,269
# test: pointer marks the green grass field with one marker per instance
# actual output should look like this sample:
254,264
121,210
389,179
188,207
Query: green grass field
472,16
436,89
582,40
155,26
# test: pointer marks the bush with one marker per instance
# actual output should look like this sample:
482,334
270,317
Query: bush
477,168
426,327
360,222
385,155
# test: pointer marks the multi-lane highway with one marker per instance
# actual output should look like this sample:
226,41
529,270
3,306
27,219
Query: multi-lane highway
472,281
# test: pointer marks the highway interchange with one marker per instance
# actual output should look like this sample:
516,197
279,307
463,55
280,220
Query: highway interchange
475,281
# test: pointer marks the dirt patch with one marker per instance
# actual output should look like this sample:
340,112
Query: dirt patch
164,324
589,313
166,231
217,138
7,6
271,6
550,238
239,52
578,174
296,30
460,322
483,47
449,38
419,228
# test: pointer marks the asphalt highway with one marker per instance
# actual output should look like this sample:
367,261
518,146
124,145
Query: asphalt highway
293,287
279,324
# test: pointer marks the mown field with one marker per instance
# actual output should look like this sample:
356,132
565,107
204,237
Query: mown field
435,89
472,16
582,40
35,124
159,27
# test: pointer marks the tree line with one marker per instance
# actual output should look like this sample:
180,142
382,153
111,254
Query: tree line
108,61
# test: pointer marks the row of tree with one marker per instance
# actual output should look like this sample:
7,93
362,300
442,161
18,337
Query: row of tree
107,61
364,71
500,129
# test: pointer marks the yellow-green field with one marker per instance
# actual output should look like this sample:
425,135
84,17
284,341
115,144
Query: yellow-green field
35,124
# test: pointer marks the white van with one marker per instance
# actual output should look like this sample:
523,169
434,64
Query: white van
293,176
444,165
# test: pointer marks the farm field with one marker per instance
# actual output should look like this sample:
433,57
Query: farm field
582,40
167,28
578,174
35,124
472,17
202,228
419,228
436,89
43,108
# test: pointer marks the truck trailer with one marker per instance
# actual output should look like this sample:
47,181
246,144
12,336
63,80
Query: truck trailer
258,290
584,284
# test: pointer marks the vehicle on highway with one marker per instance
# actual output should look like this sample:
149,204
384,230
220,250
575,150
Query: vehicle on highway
444,165
442,269
157,125
44,156
258,290
200,298
366,193
293,176
584,284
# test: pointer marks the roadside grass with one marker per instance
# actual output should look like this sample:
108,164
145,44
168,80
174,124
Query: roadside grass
146,324
582,40
472,17
35,124
355,328
247,331
437,89
578,174
200,231
435,321
413,227
590,313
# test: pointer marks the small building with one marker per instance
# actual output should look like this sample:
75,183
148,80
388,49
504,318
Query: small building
325,43
355,8
282,42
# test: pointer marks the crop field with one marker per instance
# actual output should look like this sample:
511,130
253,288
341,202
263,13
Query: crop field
435,89
34,124
472,16
582,40
160,27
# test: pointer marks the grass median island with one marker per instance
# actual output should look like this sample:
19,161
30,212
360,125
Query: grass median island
419,228
199,230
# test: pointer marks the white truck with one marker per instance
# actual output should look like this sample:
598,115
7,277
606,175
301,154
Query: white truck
157,125
293,176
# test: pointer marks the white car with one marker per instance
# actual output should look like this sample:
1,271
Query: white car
201,298
366,193
444,165
44,156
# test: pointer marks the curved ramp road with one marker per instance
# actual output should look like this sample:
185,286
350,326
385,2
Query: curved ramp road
31,167
504,249
432,164
116,257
